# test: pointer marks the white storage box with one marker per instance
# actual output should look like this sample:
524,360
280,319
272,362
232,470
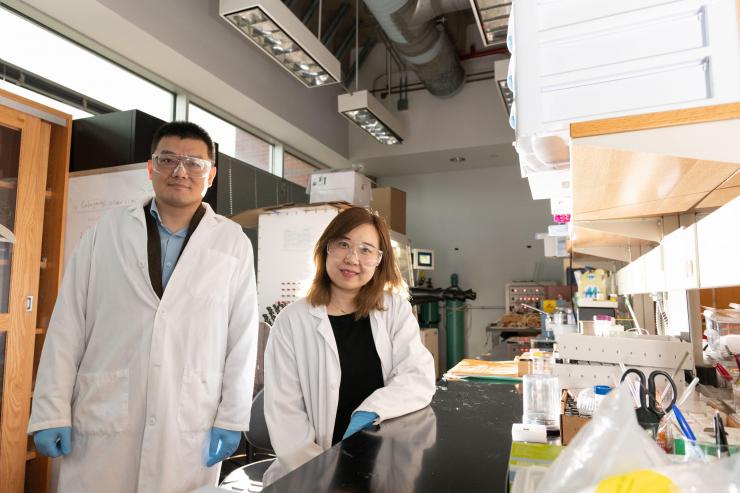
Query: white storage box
336,186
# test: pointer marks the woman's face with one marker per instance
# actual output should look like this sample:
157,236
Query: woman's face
351,260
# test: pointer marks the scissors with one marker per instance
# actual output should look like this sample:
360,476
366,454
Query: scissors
651,411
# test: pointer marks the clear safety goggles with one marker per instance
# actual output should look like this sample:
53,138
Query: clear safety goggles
367,255
166,164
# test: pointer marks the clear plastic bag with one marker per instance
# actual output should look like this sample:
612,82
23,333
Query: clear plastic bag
611,443
722,476
612,448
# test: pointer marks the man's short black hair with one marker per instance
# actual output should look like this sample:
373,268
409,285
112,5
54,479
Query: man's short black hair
183,130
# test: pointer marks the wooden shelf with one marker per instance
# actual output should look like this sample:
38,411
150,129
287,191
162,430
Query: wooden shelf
9,185
657,164
40,330
605,245
30,455
655,120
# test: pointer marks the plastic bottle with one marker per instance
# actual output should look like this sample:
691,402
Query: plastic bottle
589,399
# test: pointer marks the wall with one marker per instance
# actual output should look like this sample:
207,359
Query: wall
186,43
480,224
474,116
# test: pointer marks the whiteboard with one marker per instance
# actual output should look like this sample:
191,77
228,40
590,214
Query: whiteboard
93,193
286,238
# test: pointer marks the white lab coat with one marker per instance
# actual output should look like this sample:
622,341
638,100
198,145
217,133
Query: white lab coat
142,381
302,376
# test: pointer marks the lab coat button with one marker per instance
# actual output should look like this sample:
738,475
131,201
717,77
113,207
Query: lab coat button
152,421
141,264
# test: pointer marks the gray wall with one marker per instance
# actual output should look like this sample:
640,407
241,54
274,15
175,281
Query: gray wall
480,224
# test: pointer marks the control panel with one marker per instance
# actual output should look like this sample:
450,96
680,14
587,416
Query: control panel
518,293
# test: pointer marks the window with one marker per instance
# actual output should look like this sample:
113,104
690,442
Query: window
40,98
232,140
297,170
48,55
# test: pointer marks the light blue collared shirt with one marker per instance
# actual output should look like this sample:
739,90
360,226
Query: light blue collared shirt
170,245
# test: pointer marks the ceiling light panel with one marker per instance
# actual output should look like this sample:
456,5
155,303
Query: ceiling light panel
365,111
492,18
278,32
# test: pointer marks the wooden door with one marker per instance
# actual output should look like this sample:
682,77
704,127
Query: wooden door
24,153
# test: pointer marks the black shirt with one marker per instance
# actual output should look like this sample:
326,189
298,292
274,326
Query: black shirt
360,366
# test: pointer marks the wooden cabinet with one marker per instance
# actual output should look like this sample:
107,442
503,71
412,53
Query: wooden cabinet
34,156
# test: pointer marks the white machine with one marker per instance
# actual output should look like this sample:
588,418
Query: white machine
286,239
422,259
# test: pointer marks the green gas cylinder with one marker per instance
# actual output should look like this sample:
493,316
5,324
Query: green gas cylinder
429,312
455,327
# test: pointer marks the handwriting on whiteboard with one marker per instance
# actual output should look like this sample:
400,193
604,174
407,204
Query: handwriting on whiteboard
90,196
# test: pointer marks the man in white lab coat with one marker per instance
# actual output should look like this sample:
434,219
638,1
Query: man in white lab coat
146,376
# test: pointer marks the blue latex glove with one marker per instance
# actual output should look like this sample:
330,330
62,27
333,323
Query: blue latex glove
53,442
223,445
360,421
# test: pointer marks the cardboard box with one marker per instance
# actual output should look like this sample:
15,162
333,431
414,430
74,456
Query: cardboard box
430,339
250,218
340,186
570,421
391,204
524,366
552,292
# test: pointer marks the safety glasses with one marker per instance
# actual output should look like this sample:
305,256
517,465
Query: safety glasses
367,255
166,164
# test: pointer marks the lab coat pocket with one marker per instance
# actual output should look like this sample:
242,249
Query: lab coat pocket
200,396
100,405
209,279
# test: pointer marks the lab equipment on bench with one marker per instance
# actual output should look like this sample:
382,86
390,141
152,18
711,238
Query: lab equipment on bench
541,400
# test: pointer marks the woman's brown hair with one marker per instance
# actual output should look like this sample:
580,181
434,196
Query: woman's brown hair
387,276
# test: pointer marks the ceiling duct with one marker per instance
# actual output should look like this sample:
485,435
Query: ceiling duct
425,47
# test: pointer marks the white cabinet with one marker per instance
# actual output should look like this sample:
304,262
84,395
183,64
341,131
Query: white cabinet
703,255
653,265
631,279
680,261
718,247
580,60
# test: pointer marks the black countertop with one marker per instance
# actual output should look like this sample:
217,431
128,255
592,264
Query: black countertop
459,443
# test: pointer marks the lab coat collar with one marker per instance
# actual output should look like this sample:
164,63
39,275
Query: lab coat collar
318,311
323,327
137,210
377,325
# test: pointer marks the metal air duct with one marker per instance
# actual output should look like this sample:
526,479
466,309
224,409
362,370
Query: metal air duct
410,26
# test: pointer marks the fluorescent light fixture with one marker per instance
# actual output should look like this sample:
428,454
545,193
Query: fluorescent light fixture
278,32
361,108
492,19
500,74
506,95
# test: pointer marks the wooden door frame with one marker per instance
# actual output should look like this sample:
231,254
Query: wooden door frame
25,267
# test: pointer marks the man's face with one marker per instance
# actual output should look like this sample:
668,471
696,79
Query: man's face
177,188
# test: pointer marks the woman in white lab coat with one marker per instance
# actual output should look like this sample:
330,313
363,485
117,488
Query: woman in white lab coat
349,355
